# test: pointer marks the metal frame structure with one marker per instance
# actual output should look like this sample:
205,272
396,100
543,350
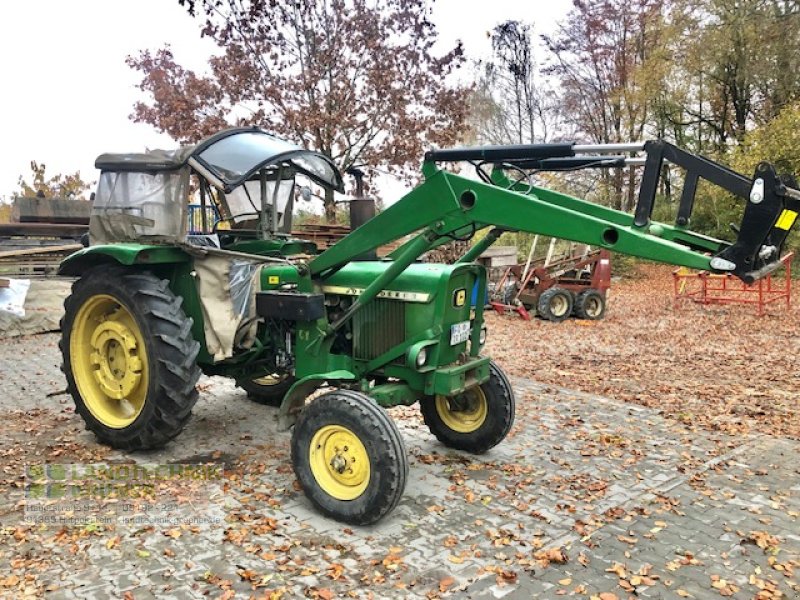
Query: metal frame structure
715,288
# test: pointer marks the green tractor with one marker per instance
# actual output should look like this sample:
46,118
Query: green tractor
154,306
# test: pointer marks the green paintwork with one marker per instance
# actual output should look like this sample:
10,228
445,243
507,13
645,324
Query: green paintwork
393,394
124,254
273,277
302,388
182,283
431,318
421,278
481,246
435,206
668,232
456,379
276,247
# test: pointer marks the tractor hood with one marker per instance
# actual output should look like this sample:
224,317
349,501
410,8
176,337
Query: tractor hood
418,283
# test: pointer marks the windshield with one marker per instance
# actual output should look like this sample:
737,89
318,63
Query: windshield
244,203
233,156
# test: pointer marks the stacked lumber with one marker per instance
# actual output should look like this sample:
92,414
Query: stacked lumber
323,235
33,262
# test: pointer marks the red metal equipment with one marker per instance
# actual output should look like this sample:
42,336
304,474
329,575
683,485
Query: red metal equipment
711,288
572,286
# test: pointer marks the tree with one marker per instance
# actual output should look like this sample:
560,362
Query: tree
510,104
57,186
354,79
737,64
608,60
777,141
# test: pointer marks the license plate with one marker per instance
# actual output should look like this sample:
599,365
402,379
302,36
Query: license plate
459,333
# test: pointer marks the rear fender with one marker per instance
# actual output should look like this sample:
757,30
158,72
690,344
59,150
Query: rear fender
122,254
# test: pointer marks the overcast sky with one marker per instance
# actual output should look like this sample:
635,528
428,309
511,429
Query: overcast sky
67,92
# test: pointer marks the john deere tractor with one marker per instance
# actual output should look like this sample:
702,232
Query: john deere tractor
154,306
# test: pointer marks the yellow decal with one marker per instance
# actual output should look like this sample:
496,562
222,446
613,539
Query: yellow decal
460,298
273,280
786,220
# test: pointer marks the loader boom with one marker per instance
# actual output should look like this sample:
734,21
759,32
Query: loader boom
449,206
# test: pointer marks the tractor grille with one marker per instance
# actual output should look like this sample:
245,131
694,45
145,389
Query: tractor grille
378,327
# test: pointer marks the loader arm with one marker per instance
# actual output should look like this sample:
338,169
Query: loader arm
448,206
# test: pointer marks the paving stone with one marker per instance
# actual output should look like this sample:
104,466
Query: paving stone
590,463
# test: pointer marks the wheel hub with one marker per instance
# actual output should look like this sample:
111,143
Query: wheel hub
593,307
559,305
117,366
108,359
463,413
339,462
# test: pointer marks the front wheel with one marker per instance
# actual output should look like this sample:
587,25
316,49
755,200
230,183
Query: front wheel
349,457
476,420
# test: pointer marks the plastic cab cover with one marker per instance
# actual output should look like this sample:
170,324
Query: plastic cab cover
233,156
145,162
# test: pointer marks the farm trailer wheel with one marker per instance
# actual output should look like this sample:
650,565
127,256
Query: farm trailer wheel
349,457
129,357
476,420
590,304
555,304
268,390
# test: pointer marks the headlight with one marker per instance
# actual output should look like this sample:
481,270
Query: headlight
482,336
422,356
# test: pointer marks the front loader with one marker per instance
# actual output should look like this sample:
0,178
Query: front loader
153,307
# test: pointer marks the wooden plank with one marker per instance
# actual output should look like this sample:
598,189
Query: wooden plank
4,283
42,250
43,229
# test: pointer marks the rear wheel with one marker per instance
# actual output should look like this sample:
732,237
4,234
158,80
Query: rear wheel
268,390
349,457
129,358
591,305
555,304
476,420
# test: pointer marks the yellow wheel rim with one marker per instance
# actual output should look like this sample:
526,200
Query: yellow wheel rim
109,361
464,413
339,462
269,380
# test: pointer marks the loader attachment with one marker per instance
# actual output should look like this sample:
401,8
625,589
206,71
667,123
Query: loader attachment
773,203
769,215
